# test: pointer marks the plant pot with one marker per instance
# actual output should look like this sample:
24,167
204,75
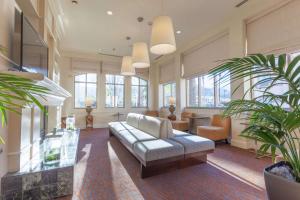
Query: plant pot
280,188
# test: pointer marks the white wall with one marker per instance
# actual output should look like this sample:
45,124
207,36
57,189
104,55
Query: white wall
6,26
235,25
101,114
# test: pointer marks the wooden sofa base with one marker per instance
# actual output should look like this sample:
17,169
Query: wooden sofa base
156,167
169,164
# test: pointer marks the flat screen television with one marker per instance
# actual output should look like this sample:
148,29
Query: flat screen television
34,51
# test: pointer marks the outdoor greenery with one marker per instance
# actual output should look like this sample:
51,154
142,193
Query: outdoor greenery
274,125
17,92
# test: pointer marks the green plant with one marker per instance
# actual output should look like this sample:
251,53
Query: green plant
3,50
270,123
17,92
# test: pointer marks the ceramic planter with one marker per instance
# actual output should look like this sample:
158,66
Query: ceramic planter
279,188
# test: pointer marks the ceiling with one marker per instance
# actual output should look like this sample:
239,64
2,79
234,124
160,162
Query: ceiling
89,28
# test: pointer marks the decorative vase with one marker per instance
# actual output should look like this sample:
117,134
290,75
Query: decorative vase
172,116
89,118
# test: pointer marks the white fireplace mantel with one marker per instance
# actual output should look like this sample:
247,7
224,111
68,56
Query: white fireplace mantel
56,95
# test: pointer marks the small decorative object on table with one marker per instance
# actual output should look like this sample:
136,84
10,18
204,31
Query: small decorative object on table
70,122
63,122
52,149
89,118
172,109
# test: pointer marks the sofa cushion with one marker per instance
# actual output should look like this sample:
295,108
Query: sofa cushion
194,143
158,149
119,126
133,119
177,133
150,125
166,130
130,137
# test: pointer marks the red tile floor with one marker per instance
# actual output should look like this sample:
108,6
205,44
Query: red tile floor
106,170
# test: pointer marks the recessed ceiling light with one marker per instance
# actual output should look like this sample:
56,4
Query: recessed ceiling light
109,12
178,32
74,2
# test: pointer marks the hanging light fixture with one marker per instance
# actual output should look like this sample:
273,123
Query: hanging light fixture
127,68
162,36
140,55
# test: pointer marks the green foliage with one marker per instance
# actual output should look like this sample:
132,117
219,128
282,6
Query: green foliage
17,92
269,123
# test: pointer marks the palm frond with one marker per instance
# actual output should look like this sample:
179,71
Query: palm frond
17,92
269,122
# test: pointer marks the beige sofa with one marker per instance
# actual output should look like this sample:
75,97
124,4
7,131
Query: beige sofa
153,141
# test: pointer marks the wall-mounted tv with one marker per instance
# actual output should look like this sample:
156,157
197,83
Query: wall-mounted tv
34,51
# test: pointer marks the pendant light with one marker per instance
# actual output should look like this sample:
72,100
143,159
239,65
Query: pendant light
140,54
162,36
127,68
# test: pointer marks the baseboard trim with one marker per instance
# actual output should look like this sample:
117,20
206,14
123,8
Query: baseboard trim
239,143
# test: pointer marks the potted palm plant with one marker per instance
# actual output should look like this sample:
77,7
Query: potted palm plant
17,92
274,120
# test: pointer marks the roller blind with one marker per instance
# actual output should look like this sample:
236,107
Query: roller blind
277,30
205,57
111,67
167,72
81,65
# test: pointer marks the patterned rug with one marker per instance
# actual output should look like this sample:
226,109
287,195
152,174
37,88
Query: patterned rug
106,170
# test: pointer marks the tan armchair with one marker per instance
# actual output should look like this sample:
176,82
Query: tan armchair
218,130
152,113
183,124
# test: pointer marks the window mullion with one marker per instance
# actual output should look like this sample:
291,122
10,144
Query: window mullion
199,92
138,100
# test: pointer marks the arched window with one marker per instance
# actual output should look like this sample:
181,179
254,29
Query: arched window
115,92
85,88
139,92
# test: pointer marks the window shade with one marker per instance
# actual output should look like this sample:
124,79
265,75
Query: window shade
206,57
81,65
276,31
167,72
111,67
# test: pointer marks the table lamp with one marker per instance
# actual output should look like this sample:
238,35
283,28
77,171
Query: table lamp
89,118
172,109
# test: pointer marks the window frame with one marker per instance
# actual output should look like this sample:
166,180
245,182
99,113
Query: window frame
163,92
115,84
139,92
199,92
86,83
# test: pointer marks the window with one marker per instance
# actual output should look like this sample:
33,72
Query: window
278,88
223,91
205,91
114,86
85,87
139,92
169,90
